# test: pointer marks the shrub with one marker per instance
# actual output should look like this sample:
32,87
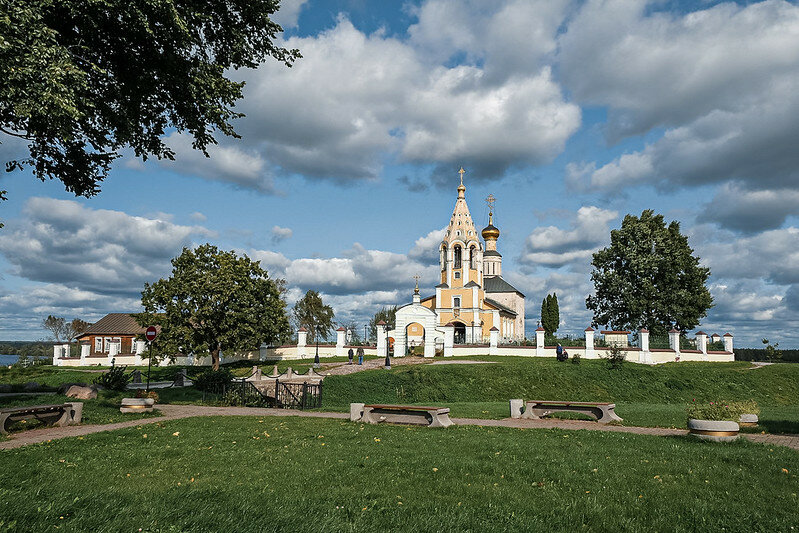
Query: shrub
141,393
721,410
114,379
213,380
576,359
615,357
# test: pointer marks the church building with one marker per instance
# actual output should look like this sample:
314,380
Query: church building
472,297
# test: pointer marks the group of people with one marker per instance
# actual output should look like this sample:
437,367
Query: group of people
350,354
561,353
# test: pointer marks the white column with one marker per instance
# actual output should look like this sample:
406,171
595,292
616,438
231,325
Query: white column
430,338
85,349
302,342
727,342
56,355
646,356
449,340
382,339
701,343
589,343
341,334
539,342
493,348
674,340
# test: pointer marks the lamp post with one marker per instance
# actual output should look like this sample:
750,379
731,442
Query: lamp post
388,358
316,357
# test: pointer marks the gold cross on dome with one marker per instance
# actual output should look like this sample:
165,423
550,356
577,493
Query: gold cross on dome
461,171
490,201
417,277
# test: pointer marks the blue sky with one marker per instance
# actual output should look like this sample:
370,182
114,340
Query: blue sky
572,114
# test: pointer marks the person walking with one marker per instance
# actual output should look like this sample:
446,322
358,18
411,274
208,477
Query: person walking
349,356
559,352
360,355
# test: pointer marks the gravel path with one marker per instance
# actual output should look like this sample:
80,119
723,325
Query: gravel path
175,412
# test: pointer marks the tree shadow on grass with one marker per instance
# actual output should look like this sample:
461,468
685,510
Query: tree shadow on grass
771,426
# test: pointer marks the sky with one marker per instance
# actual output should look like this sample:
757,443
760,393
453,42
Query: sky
572,114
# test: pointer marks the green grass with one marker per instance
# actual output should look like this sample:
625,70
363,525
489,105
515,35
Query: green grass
534,378
270,474
103,410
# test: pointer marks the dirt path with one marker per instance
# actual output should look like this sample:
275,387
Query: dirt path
175,412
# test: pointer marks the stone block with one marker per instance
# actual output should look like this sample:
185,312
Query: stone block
516,408
356,411
81,393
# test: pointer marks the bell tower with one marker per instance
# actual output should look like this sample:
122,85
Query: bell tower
461,254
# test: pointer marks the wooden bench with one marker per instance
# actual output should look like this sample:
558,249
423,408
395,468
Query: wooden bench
435,417
601,412
59,415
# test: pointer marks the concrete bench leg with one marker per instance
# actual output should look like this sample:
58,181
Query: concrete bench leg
3,421
76,413
516,408
609,415
529,412
356,411
441,421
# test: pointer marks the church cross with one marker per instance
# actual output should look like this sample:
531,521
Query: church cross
417,277
490,201
461,171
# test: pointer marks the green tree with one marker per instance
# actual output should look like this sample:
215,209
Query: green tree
83,79
214,300
550,314
772,353
387,315
648,278
57,326
311,313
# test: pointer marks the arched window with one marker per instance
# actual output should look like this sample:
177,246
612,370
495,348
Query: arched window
457,256
443,259
472,258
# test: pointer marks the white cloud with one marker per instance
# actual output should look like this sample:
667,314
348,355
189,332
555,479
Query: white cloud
281,234
229,162
97,250
198,217
554,246
353,98
289,12
426,248
722,81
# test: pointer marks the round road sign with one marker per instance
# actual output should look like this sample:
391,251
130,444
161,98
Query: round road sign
150,333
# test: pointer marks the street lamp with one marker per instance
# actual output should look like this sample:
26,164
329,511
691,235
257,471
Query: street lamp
388,359
316,358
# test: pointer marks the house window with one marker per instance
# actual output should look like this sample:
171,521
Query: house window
457,275
456,302
98,344
107,344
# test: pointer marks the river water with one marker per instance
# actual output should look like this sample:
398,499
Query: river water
8,359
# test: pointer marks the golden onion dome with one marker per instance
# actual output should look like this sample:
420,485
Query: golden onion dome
490,231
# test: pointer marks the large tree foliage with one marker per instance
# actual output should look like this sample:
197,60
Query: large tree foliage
550,313
83,79
648,278
387,315
214,300
311,313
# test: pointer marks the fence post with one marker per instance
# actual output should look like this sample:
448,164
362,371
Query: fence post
304,394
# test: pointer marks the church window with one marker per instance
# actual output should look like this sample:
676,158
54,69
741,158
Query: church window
456,302
472,258
457,275
458,257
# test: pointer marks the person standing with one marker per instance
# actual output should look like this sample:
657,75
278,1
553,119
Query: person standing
349,356
559,352
360,355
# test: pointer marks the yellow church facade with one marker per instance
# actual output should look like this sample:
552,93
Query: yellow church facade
472,298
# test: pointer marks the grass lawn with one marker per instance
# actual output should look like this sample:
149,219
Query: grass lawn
103,410
281,474
644,395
